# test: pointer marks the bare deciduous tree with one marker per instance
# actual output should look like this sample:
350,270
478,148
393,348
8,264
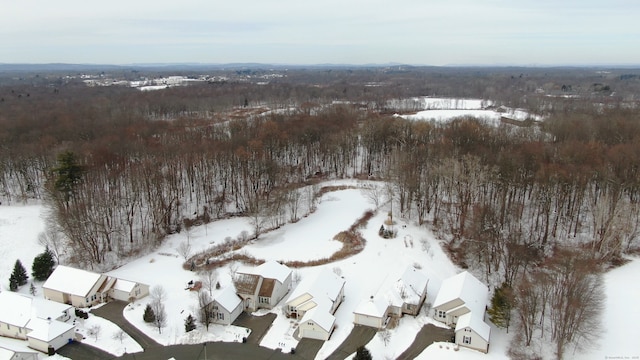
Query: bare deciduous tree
209,278
184,249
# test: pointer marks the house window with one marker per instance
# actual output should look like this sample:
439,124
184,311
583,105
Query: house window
466,340
220,316
441,314
215,307
310,323
263,300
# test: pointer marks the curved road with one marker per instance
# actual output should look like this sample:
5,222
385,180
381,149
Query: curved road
113,311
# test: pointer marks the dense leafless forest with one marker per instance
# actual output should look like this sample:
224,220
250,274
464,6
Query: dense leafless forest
539,209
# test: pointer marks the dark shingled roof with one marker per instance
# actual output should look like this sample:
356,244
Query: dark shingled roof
267,287
247,283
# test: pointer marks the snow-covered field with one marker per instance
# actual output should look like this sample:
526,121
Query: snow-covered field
19,229
446,109
379,264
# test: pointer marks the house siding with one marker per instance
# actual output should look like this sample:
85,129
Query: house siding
12,331
338,300
279,291
476,343
368,320
227,317
311,330
57,342
56,296
139,291
92,298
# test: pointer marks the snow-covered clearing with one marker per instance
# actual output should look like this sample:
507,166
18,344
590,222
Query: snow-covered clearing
372,270
621,312
447,109
19,229
311,237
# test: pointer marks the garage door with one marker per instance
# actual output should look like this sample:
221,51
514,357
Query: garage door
313,334
367,320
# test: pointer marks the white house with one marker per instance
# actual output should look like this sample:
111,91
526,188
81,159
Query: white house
41,322
15,313
126,290
403,296
313,303
45,333
326,285
263,286
76,287
472,332
412,290
318,322
461,303
373,312
225,307
82,288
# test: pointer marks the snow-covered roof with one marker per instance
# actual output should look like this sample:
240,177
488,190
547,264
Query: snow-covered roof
45,309
475,322
375,306
15,309
465,287
47,330
72,281
321,316
269,270
412,285
124,285
272,270
228,299
325,285
6,353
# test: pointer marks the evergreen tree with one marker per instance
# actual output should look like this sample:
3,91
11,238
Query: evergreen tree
19,274
13,283
32,290
43,265
501,305
149,316
189,323
67,174
362,354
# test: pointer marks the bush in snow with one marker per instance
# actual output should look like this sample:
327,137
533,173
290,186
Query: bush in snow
362,354
189,323
149,316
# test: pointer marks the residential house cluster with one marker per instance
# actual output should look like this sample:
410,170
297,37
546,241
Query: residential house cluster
312,303
48,324
44,324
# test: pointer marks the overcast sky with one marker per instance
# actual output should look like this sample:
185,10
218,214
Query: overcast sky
420,32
